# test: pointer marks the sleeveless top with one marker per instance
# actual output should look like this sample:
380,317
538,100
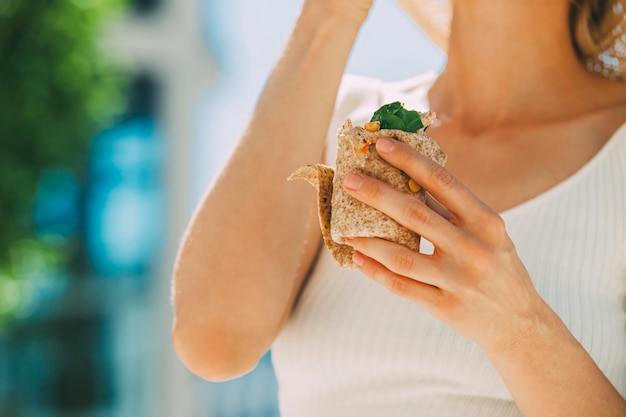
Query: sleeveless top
351,348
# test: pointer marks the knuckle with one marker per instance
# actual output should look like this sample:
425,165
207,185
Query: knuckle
403,262
493,226
380,276
439,177
397,285
416,212
406,154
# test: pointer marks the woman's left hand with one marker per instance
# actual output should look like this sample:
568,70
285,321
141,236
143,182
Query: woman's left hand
474,281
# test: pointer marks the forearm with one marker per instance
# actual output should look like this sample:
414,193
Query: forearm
550,374
247,249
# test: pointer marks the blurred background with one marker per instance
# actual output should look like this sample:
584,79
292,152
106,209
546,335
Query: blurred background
114,117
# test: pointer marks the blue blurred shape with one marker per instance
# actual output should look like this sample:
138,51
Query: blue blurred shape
124,202
56,210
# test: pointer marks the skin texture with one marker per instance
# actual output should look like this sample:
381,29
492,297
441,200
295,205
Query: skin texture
244,256
234,290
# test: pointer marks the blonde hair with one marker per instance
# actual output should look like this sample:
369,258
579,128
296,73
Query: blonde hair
598,33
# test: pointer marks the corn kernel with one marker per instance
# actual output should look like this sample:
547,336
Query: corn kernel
413,186
372,126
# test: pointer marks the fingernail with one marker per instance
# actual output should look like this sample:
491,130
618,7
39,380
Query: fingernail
385,145
353,181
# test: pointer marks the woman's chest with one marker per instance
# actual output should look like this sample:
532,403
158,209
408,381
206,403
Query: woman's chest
506,169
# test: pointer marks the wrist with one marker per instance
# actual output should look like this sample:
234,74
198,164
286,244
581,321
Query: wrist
339,16
548,372
531,334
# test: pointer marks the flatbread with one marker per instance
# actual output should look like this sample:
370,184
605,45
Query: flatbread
321,177
343,216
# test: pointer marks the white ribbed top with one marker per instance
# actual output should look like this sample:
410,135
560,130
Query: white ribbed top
352,348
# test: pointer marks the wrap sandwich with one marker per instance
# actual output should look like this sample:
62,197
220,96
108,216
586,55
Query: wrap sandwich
341,215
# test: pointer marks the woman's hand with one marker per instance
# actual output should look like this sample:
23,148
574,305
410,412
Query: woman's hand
474,281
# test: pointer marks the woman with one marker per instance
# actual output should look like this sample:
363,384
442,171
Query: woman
516,313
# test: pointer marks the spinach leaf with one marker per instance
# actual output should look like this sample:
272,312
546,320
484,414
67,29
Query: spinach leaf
395,116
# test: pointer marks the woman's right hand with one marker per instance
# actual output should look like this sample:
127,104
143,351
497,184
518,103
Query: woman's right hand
354,10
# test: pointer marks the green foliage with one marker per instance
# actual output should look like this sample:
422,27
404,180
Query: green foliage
395,116
56,91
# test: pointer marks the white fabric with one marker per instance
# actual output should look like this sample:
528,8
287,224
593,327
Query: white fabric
352,348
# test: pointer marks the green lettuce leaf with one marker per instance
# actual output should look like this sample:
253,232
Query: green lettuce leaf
395,116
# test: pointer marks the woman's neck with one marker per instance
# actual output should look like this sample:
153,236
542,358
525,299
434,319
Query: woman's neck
510,61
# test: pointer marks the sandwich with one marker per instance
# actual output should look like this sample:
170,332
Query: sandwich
341,215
